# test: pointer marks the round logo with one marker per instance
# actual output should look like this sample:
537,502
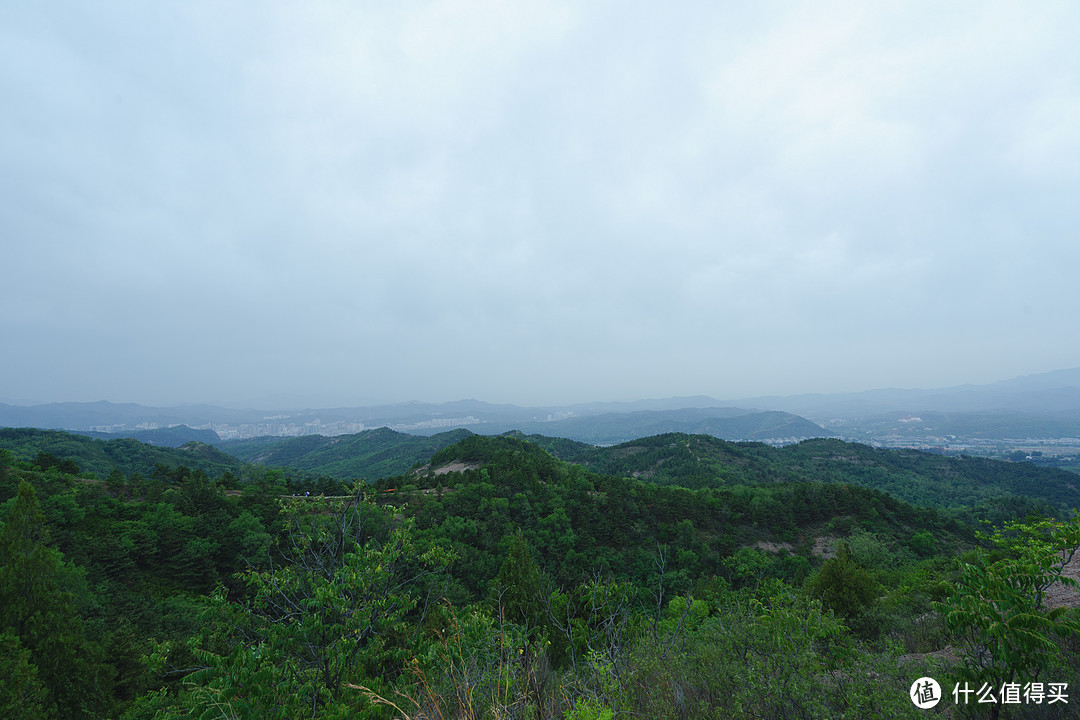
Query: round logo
925,693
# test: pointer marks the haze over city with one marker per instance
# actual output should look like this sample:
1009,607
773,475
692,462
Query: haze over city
538,203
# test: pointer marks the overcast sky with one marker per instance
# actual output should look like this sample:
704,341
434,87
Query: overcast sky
330,203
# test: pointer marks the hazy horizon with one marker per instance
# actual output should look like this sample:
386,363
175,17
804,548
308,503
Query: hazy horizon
285,404
537,203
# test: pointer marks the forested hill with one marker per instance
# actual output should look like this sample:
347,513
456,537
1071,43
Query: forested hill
174,436
381,452
691,461
367,455
101,456
699,461
500,578
475,494
925,478
370,454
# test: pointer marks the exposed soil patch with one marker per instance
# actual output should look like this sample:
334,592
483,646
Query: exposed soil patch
455,467
1058,595
773,547
949,656
825,546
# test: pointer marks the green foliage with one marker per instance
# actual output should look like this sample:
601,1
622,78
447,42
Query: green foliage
769,653
842,585
503,450
578,523
22,696
923,544
589,709
39,615
703,461
924,478
376,453
475,667
47,461
329,615
999,604
516,592
691,461
74,452
576,593
249,539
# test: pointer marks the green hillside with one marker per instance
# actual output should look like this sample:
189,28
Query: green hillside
174,436
924,478
584,522
702,461
101,456
370,454
674,458
496,580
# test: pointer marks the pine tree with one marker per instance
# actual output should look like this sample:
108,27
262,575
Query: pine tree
22,696
843,585
41,615
516,589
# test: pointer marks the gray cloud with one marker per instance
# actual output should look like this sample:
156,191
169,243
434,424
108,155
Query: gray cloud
534,202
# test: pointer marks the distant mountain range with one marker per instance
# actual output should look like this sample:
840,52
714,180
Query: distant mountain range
722,422
121,416
1046,405
595,423
1054,393
1043,406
